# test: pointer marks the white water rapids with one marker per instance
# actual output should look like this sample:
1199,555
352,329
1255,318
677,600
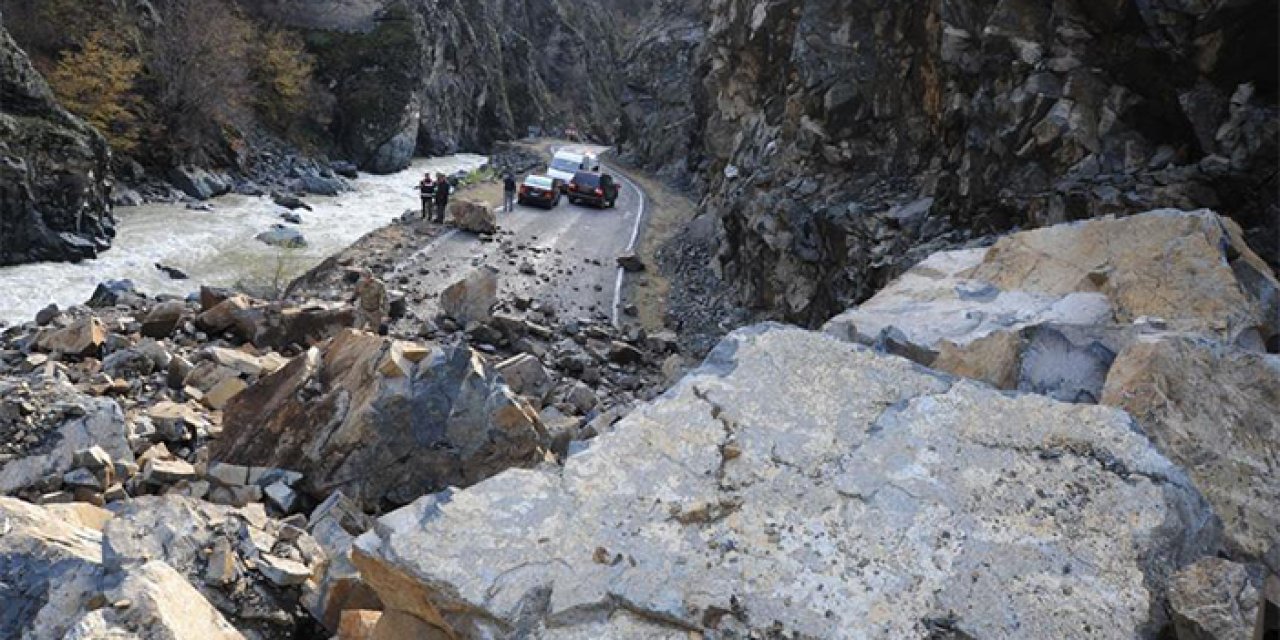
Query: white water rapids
218,247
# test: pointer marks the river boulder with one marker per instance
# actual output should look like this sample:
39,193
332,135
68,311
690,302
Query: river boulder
398,422
800,486
199,183
282,236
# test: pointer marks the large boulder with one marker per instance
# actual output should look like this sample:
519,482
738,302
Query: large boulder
155,602
471,299
54,171
1191,269
198,183
382,423
81,338
49,568
79,423
801,486
1215,410
475,217
55,585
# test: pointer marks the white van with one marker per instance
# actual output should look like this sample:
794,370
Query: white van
566,163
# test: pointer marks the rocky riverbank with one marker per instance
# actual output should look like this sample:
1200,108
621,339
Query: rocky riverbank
1049,437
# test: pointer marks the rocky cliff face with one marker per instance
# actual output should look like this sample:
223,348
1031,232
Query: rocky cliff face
53,171
843,140
437,77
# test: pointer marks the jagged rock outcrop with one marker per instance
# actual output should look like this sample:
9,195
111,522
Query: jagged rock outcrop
383,421
843,141
799,486
54,171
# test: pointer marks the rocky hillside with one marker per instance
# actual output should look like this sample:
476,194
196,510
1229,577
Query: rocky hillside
840,142
54,175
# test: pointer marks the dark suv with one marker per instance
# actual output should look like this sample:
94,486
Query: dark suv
598,189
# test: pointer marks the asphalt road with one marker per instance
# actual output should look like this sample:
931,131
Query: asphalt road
565,258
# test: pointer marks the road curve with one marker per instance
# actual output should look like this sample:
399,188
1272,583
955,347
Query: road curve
565,258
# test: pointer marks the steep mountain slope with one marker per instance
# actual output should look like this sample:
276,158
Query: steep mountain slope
843,139
53,171
443,76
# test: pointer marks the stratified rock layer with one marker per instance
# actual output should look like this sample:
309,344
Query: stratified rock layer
799,485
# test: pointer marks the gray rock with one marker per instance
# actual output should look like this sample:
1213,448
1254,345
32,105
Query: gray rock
199,183
48,569
471,299
284,237
102,424
915,502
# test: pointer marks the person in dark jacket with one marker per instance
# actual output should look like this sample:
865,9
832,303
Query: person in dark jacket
508,192
427,189
441,196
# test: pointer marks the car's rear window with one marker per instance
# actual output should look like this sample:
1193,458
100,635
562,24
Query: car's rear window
540,182
565,164
586,179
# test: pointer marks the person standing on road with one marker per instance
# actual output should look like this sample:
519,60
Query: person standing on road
427,189
441,196
508,192
371,302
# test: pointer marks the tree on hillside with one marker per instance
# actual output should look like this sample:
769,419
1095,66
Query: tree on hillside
283,75
198,68
96,83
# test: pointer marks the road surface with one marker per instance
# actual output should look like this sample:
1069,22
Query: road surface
565,258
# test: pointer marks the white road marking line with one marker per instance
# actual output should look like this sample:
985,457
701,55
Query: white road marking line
631,246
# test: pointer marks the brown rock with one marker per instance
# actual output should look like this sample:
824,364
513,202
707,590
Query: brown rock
83,338
1192,269
382,440
358,624
1215,410
163,319
992,359
223,392
472,216
1215,599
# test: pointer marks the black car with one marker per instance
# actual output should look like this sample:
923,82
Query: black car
543,191
598,189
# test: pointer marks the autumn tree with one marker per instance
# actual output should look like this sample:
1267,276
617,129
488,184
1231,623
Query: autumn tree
97,82
283,75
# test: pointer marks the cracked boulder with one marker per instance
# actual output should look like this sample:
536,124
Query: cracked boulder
361,415
799,486
957,310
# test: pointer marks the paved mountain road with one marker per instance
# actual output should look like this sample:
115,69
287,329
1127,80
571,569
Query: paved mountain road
565,258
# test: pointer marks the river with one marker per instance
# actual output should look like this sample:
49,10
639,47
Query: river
218,247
